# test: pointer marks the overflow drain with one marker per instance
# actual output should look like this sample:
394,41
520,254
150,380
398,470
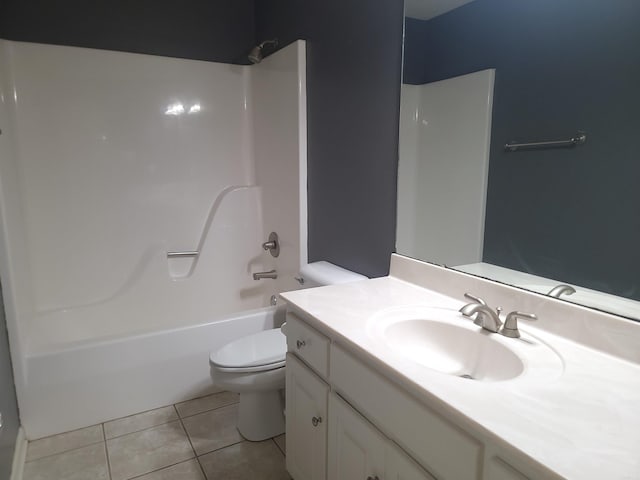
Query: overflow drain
468,377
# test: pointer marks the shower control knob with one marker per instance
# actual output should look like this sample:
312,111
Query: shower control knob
272,246
300,344
316,421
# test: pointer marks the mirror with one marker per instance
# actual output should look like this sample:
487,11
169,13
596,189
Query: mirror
548,214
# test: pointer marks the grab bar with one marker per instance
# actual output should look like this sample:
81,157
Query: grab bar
579,139
182,254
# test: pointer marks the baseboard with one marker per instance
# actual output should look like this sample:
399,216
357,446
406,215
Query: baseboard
19,455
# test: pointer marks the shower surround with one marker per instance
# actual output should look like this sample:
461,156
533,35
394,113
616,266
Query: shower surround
108,162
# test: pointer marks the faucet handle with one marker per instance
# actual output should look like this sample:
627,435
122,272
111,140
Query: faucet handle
510,327
475,299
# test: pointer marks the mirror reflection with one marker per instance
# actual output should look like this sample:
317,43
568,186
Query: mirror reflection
496,72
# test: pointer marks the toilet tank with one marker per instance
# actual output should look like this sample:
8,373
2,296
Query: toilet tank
322,273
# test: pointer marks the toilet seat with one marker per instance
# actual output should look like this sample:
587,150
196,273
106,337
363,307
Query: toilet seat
259,352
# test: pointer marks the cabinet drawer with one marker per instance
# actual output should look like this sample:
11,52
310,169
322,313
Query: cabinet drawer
441,447
308,344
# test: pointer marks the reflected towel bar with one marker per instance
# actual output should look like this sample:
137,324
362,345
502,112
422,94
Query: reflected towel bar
182,254
579,139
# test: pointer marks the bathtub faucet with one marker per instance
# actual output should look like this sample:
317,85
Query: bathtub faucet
261,275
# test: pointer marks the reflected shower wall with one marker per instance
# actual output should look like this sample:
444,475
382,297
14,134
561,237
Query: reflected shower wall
445,128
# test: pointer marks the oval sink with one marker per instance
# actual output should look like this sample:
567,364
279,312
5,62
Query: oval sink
453,350
442,340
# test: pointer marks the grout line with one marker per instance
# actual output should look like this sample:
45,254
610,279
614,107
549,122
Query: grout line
65,451
204,474
106,449
222,448
162,468
142,429
207,410
135,414
184,429
274,441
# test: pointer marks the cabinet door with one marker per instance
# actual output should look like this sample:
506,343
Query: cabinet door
306,410
356,448
399,466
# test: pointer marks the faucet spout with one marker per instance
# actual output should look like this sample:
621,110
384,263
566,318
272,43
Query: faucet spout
561,289
487,318
270,274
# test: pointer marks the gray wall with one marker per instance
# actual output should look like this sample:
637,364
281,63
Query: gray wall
214,30
354,55
8,404
560,66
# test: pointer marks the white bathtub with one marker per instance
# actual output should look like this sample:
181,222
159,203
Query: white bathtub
99,381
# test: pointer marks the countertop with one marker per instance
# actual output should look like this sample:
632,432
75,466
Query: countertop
582,423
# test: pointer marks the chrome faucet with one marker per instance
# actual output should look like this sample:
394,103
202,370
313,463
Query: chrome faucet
486,317
269,274
471,309
474,301
489,319
561,289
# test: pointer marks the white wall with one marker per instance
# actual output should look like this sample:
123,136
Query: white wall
443,169
106,172
278,88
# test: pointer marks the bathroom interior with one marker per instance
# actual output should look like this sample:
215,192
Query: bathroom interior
176,179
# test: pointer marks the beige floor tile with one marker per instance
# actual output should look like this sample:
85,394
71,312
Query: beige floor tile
246,460
203,404
63,442
281,442
151,449
189,470
213,429
83,463
135,423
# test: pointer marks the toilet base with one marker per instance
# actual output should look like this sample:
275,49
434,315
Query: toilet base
260,415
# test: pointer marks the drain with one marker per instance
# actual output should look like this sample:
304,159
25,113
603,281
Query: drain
469,377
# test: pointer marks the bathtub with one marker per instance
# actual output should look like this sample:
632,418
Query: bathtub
93,382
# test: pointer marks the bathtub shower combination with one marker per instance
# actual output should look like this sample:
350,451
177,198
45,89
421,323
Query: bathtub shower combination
136,194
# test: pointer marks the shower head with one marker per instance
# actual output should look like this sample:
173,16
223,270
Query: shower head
255,55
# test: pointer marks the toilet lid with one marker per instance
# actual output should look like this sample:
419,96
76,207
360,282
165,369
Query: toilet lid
263,349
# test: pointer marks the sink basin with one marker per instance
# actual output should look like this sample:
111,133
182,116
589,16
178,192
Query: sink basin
453,349
444,341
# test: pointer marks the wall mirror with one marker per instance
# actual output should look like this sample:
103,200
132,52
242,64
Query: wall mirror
538,216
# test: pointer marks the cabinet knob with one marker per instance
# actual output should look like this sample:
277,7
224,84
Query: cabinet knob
316,420
300,344
373,478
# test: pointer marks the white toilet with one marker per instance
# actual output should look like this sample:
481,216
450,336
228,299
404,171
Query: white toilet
254,366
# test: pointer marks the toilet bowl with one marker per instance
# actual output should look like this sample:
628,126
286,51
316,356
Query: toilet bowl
254,366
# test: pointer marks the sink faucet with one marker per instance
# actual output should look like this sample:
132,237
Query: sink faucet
486,317
560,290
474,301
490,319
261,275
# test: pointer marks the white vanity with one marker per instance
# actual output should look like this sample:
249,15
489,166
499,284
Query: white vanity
387,380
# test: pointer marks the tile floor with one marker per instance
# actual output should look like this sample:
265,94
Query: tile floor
193,440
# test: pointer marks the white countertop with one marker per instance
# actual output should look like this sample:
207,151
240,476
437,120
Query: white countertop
583,423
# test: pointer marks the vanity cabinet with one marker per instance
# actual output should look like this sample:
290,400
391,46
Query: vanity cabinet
306,427
346,421
357,450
